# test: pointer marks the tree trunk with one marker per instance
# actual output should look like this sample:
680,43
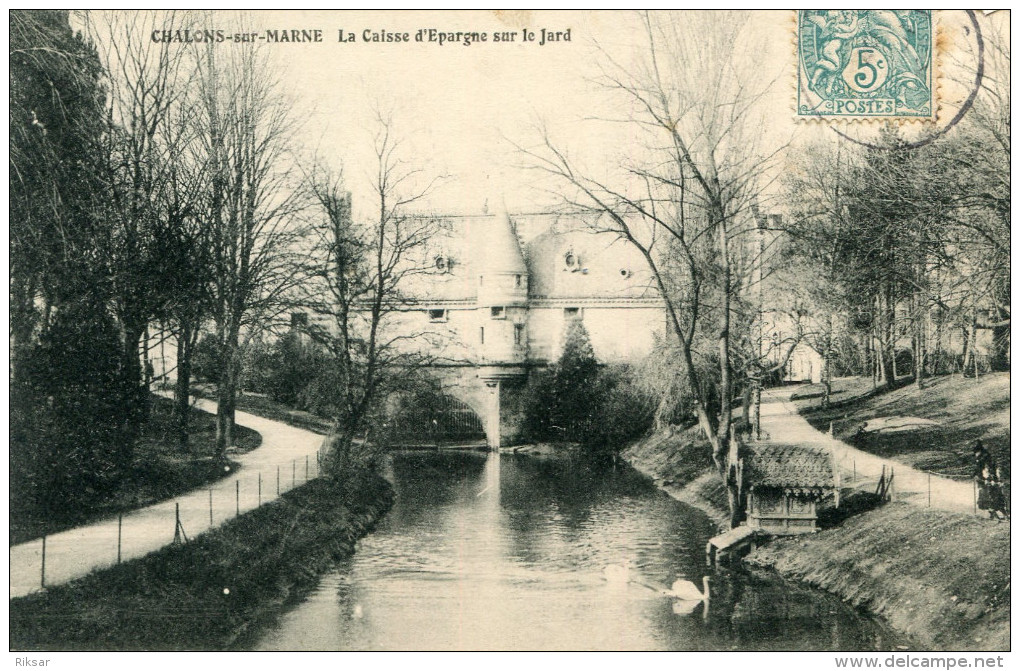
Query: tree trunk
826,380
935,360
227,393
225,406
182,390
919,355
968,350
746,404
1000,347
727,441
135,394
887,347
757,411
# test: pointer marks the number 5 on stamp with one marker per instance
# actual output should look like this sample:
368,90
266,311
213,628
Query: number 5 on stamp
863,64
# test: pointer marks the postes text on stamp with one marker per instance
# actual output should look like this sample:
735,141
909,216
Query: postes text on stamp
867,63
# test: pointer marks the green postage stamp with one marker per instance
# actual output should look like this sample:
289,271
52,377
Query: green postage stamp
866,63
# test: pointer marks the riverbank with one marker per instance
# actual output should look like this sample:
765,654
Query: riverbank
941,578
679,461
216,591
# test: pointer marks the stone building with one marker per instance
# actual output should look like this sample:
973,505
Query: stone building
504,289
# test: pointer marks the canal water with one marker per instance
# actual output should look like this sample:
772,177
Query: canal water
489,552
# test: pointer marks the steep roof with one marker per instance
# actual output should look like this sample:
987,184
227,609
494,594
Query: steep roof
497,246
788,467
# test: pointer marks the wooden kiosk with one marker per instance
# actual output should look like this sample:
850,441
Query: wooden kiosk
785,485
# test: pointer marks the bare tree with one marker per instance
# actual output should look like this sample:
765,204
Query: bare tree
249,206
685,204
359,275
145,89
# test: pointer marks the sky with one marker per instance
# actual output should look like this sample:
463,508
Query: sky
460,110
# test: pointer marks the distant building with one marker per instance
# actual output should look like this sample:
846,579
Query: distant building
505,288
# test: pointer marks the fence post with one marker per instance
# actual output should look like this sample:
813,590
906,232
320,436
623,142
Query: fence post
975,496
260,489
278,479
237,497
855,472
179,534
306,468
293,473
929,490
42,577
120,526
210,507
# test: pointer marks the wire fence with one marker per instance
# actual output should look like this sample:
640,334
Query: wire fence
868,472
186,516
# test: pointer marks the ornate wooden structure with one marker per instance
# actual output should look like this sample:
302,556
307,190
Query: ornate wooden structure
786,484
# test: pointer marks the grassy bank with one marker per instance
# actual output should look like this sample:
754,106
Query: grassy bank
679,461
954,411
161,470
941,578
214,592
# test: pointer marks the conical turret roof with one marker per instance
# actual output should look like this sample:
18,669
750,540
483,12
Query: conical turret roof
499,248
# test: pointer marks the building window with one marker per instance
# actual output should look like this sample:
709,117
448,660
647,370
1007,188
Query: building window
517,281
572,314
497,312
518,334
481,334
437,315
481,280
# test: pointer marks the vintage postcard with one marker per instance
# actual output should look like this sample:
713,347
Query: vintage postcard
511,331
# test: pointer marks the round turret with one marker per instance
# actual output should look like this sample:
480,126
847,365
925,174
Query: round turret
502,272
502,306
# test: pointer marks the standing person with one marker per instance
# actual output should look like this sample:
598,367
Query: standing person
986,473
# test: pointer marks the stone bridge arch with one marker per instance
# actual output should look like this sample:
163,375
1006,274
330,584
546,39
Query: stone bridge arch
494,394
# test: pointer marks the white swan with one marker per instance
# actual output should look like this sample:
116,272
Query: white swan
688,596
685,590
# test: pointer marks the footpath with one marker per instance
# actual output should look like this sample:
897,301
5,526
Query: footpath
287,458
781,423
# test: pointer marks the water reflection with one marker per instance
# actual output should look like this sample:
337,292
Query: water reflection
485,552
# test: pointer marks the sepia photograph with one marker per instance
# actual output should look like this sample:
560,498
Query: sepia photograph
510,331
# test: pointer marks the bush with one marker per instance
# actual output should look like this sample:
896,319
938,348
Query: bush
579,400
205,360
627,412
294,365
67,442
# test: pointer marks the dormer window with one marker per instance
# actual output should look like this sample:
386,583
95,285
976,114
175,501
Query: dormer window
517,281
497,312
442,264
571,261
437,315
572,314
